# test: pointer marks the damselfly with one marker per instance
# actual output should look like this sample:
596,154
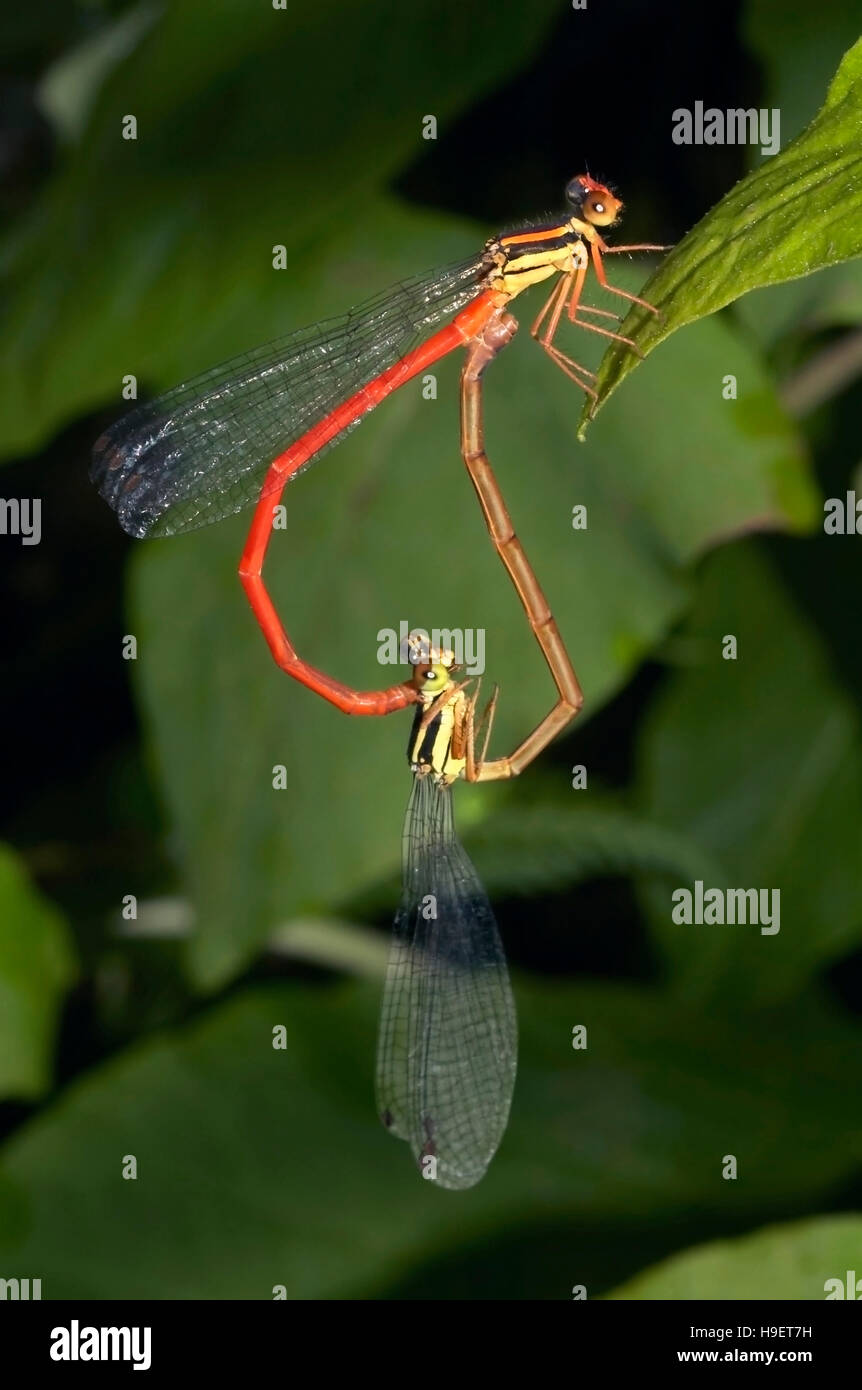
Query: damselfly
447,1045
207,448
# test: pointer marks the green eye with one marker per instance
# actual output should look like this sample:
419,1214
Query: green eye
436,675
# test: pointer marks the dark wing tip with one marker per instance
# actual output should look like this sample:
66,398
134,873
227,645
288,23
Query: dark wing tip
131,469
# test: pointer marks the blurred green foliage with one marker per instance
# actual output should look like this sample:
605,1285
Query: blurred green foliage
259,1167
37,966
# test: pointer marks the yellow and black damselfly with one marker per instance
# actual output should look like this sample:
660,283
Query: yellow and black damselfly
447,1048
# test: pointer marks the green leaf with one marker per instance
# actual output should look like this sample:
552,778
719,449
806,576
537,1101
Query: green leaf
37,966
758,759
798,52
537,848
806,1260
528,846
799,212
258,1167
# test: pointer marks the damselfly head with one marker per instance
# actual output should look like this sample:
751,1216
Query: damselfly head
431,681
593,202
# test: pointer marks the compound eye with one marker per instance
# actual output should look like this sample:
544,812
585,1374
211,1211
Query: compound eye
437,675
575,192
602,208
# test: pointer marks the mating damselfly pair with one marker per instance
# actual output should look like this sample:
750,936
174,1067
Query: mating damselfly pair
240,432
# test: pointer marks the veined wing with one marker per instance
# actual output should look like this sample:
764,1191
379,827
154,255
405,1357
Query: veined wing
200,452
447,1049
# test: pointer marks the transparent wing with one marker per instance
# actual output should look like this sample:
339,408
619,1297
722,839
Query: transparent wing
200,451
447,1049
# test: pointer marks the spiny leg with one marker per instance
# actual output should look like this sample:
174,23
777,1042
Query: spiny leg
560,290
636,246
554,306
572,369
474,765
568,293
601,313
556,303
596,251
607,333
575,309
